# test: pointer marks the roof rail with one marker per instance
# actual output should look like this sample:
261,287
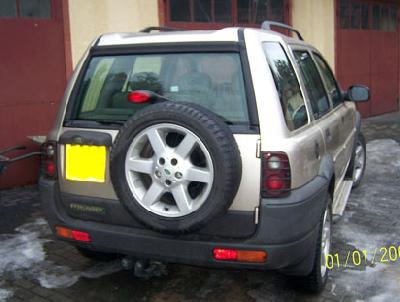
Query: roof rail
159,28
267,25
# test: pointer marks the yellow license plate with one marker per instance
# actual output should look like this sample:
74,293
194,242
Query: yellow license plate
85,163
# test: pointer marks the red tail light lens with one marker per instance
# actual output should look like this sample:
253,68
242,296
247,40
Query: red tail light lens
274,183
239,255
50,168
73,234
81,236
276,177
49,151
225,254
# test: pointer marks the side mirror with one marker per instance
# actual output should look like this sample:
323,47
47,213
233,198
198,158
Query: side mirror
358,93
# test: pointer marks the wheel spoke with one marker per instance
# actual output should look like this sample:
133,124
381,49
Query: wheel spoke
172,170
186,146
141,165
153,194
198,174
182,199
156,141
359,159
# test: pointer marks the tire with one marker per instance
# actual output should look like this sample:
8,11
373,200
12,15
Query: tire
97,256
214,152
358,161
316,280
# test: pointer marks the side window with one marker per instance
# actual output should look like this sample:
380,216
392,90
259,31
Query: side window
330,82
95,82
288,86
313,84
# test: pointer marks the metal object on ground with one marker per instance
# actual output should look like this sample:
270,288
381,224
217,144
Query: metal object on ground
5,161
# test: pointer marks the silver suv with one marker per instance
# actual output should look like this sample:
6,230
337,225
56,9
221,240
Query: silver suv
229,148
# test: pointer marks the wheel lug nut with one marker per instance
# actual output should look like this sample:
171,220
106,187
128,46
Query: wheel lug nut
168,182
161,161
158,174
178,175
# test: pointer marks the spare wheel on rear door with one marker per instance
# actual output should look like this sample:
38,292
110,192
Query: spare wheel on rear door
175,166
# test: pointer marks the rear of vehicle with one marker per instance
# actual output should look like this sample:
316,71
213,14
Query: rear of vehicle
181,147
206,73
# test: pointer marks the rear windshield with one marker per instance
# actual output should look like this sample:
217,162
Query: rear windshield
213,80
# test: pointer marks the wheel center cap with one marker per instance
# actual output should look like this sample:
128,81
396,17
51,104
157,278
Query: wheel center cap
167,172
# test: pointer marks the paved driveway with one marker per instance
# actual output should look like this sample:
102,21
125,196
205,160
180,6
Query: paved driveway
35,267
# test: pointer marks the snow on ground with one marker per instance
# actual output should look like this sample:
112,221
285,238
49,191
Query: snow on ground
377,198
24,249
5,294
22,255
52,276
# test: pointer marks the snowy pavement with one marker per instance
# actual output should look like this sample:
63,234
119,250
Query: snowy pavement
36,267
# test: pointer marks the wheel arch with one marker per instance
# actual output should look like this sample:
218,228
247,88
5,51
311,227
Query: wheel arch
327,171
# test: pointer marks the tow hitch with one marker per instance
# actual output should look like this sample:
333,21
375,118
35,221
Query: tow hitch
145,269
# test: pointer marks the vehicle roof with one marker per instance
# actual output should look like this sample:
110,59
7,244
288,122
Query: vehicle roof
229,34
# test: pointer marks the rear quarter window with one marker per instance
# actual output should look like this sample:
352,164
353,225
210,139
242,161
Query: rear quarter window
287,85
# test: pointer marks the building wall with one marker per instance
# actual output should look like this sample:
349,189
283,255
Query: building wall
315,19
90,18
33,71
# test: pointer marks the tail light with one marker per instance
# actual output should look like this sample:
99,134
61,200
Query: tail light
49,159
73,234
222,254
276,178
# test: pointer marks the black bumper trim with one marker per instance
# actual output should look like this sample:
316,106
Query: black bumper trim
233,224
287,231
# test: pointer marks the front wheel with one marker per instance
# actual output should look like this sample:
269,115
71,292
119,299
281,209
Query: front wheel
359,160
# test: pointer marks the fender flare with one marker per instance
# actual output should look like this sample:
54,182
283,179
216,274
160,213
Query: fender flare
326,168
358,122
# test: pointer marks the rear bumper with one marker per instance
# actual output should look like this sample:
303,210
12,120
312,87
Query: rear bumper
287,231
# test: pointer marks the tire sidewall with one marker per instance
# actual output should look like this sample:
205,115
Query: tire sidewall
359,140
219,198
319,280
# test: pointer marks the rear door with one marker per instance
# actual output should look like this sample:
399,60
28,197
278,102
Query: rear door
321,109
213,80
344,112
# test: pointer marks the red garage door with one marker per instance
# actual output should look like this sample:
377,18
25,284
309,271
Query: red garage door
33,71
367,42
